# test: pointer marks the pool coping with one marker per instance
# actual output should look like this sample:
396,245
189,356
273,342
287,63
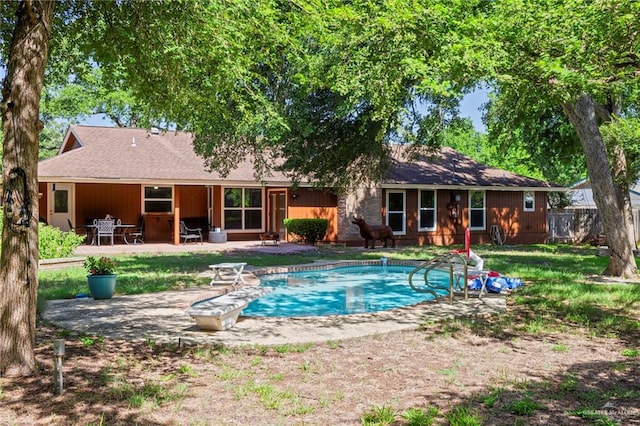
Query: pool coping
330,264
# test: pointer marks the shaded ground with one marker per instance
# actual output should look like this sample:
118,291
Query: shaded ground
447,366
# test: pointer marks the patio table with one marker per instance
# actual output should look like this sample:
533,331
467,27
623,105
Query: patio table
91,230
234,273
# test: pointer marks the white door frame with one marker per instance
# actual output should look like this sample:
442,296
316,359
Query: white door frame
59,218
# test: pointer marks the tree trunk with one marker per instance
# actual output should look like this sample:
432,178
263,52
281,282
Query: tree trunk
612,205
21,126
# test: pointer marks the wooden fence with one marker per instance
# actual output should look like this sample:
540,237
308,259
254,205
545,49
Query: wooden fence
578,225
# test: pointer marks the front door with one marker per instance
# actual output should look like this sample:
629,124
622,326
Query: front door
277,212
61,205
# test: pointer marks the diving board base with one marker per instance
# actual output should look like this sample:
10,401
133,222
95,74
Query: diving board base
217,323
222,312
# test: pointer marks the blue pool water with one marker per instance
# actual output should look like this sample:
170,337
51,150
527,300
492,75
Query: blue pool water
338,291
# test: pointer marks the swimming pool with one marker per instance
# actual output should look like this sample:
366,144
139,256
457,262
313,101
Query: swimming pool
338,291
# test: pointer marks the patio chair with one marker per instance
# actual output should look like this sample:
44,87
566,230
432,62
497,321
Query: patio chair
105,228
137,234
120,231
188,234
79,231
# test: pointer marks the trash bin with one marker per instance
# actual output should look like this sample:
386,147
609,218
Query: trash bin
217,237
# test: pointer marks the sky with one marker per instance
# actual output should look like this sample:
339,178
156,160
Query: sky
470,107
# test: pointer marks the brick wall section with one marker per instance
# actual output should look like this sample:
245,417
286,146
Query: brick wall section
363,202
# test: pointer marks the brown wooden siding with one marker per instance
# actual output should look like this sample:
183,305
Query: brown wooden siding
157,227
95,200
304,203
503,208
506,209
193,206
216,220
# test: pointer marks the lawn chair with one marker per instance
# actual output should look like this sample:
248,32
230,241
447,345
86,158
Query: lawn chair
105,228
188,234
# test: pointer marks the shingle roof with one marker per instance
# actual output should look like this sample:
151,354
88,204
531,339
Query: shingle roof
449,168
130,154
94,153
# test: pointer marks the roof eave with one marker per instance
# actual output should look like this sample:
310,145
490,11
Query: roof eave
472,187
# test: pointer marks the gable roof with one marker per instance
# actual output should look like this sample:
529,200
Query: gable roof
449,168
130,155
96,154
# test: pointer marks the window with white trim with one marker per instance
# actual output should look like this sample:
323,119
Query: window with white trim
158,199
427,210
242,208
396,211
529,200
477,210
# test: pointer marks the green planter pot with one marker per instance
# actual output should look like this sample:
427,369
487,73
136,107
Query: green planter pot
102,286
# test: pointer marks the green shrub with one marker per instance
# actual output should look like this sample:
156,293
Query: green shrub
54,243
309,230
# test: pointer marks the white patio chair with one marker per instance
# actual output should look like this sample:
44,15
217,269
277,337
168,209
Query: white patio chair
105,228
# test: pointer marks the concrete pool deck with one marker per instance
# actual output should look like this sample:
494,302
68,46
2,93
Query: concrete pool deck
161,317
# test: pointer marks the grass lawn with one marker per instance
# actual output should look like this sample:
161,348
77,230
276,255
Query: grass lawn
566,351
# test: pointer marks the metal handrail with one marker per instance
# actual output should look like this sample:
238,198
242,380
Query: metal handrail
454,262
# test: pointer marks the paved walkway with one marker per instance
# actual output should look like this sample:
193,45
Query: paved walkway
161,316
254,246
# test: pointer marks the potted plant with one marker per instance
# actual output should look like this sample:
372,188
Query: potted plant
101,278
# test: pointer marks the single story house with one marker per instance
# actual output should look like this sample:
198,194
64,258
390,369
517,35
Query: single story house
580,221
582,195
133,173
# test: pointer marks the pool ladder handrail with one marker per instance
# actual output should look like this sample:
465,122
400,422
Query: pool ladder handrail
458,268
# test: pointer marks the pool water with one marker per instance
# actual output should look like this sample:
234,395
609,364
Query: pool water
338,291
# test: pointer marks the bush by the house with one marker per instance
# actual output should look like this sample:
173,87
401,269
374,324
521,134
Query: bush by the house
54,243
309,230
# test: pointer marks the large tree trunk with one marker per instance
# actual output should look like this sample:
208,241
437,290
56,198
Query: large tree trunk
21,126
613,206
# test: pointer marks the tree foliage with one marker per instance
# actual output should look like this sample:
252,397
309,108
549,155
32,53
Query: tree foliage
583,57
537,128
284,80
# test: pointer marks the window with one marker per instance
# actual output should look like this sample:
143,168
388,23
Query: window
242,208
395,211
476,210
427,210
529,201
158,199
61,201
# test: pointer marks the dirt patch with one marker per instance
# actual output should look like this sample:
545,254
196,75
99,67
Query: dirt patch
332,383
